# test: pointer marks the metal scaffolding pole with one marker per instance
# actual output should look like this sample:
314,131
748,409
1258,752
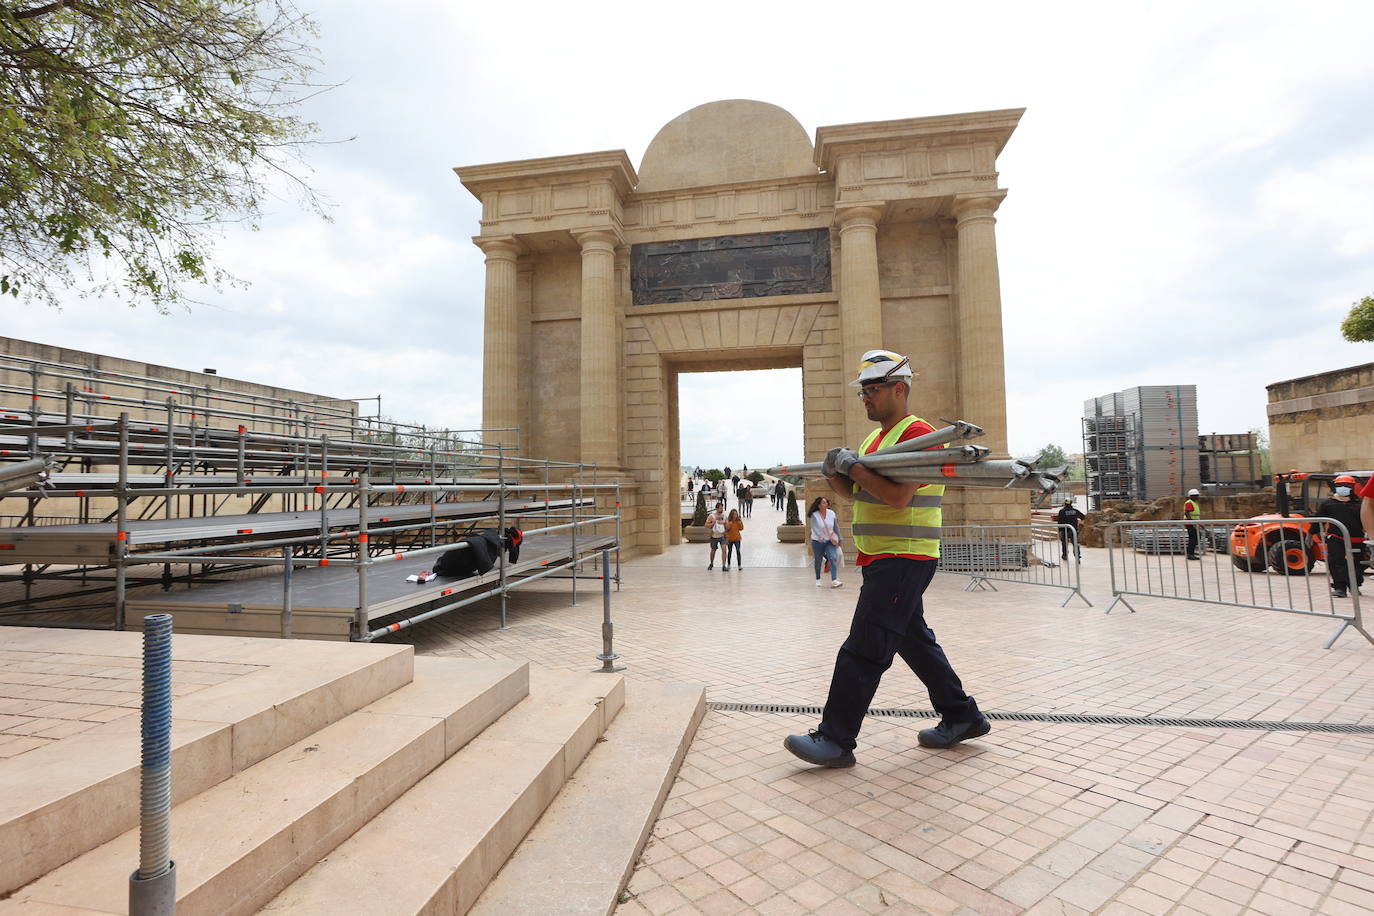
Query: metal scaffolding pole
360,621
121,545
501,529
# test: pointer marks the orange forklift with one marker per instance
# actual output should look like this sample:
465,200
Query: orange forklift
1282,541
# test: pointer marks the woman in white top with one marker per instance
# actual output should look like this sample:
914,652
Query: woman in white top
824,539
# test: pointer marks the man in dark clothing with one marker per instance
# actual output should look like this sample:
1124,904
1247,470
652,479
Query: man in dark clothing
1068,515
1345,509
779,495
896,528
1192,511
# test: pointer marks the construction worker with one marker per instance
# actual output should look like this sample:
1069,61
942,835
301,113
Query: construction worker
1069,516
1192,511
1344,508
896,529
1366,494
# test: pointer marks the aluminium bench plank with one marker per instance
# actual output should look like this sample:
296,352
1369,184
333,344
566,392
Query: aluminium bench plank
86,542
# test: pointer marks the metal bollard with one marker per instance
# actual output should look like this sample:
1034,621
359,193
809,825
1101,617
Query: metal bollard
153,888
607,655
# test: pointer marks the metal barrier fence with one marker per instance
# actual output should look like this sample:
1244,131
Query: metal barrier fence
1267,564
1034,554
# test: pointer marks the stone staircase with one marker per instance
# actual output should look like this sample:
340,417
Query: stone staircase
360,779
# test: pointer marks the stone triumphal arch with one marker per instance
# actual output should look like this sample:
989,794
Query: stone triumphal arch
740,244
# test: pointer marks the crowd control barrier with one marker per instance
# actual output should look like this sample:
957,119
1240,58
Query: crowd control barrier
1028,554
1271,564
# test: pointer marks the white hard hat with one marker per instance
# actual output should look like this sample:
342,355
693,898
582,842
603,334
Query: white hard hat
880,366
1194,492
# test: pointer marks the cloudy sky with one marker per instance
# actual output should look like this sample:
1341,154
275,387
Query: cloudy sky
1191,191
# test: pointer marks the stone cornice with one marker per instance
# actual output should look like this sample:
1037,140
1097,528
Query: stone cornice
615,164
1347,398
996,125
767,184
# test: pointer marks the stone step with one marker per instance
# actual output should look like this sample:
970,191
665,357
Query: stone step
436,847
243,840
579,856
75,794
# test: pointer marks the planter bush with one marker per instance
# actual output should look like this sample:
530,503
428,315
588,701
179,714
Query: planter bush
697,532
793,532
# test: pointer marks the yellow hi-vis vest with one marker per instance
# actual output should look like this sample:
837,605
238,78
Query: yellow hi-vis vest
913,529
1190,509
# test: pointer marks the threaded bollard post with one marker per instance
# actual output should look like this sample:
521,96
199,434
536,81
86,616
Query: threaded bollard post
152,888
607,655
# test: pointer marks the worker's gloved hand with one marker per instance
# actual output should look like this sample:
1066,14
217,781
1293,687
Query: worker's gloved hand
839,461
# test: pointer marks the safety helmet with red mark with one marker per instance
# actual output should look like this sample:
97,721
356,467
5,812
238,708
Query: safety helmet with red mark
1344,480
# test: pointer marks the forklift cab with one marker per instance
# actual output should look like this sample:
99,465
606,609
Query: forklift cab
1301,493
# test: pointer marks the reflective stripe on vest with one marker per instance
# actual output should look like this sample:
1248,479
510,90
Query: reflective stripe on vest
917,502
913,529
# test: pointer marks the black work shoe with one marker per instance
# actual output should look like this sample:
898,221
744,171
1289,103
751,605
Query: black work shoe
948,734
816,748
1338,593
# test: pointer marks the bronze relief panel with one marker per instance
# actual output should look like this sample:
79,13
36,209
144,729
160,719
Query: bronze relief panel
731,267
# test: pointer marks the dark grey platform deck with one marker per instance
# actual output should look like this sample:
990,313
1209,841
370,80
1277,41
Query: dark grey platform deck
324,599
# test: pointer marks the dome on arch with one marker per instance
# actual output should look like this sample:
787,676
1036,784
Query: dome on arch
726,142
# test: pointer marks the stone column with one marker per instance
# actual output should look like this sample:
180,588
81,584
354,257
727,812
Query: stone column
600,392
861,310
982,372
500,350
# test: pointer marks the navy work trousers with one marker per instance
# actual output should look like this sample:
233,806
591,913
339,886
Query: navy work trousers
888,621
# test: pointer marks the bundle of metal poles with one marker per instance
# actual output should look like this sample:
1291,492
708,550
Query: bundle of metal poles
25,474
921,460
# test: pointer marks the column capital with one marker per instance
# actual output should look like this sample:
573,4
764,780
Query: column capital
856,217
976,205
603,239
499,247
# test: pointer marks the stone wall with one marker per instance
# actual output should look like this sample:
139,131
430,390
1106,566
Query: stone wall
96,393
1323,422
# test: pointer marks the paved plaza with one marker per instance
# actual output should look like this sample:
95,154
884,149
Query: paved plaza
1036,817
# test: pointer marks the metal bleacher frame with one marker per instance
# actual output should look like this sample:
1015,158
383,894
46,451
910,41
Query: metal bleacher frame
312,486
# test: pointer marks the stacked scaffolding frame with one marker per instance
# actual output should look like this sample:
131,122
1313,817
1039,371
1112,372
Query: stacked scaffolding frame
310,487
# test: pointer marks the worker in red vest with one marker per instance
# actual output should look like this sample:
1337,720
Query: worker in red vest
1345,509
1192,511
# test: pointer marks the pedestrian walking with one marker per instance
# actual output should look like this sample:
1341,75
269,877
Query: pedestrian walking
897,533
715,524
1192,511
1343,508
779,495
825,539
734,537
745,495
1069,515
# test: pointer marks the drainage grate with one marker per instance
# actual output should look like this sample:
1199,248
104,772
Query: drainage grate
1072,718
